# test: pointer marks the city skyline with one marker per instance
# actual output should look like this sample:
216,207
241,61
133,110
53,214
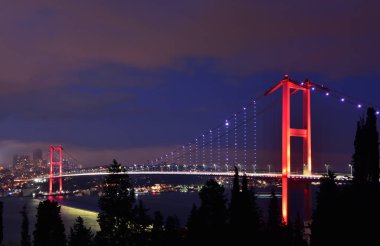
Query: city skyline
132,82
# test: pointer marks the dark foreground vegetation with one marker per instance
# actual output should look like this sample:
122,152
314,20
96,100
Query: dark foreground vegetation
344,215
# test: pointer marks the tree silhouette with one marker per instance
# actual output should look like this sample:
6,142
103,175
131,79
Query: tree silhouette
245,218
172,232
140,224
235,204
158,229
79,234
193,226
274,213
277,231
298,232
366,157
207,225
116,216
25,236
324,227
345,216
252,222
49,229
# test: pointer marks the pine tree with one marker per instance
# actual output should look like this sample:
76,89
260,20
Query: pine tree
251,220
140,224
366,157
158,229
25,237
274,213
193,226
116,216
49,229
326,214
235,204
277,231
373,146
172,232
79,234
208,224
298,232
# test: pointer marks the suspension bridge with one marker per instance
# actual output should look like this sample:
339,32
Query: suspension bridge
234,143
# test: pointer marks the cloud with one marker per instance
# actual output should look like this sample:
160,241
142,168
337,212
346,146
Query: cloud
66,66
43,40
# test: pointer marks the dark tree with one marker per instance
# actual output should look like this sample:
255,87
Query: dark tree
141,221
116,216
1,223
277,231
158,229
245,218
324,227
235,204
344,216
251,222
274,214
366,157
25,236
207,225
80,235
49,229
172,232
298,232
193,229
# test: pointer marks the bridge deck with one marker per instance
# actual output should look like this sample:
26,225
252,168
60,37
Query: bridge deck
314,177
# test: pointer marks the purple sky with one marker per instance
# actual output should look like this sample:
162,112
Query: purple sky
132,80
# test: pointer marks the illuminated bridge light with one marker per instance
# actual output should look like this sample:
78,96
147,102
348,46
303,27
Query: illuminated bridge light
342,99
359,106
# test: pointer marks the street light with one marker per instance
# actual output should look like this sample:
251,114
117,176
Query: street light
350,166
215,167
239,166
268,168
227,167
327,167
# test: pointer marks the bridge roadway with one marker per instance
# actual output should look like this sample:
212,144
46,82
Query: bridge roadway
300,177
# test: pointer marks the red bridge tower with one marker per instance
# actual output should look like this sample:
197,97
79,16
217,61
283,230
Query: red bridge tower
55,160
290,87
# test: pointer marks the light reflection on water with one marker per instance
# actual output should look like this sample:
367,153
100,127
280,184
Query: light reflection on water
12,217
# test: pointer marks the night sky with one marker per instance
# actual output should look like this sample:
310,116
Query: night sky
133,80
